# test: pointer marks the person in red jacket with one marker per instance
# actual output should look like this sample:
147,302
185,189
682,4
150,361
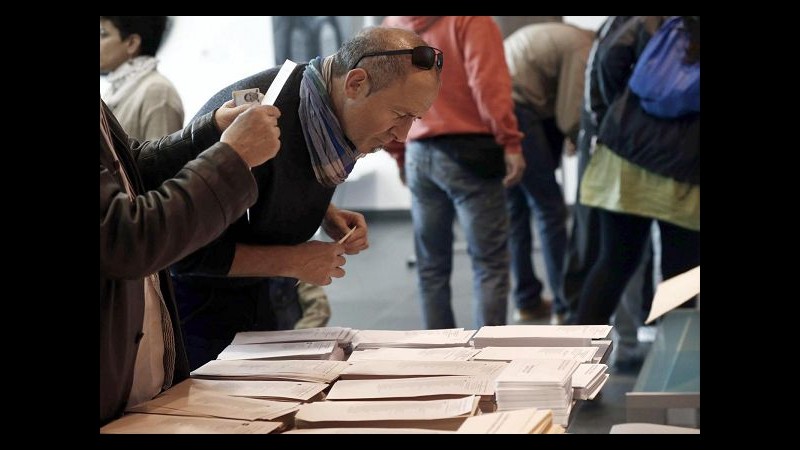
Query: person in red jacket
460,156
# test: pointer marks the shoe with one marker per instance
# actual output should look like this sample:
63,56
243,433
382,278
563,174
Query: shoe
531,314
558,319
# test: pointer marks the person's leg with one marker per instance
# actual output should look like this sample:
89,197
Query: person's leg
527,288
432,217
622,240
627,317
550,210
680,251
584,241
481,209
482,215
278,306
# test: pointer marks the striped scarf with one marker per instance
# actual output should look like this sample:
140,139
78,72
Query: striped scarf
333,156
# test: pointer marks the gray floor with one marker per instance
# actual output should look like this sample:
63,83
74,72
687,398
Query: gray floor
379,292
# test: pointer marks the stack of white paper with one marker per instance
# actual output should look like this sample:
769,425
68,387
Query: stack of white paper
327,350
540,335
451,337
283,390
604,347
410,388
414,354
579,354
434,414
313,371
164,424
342,335
401,369
181,400
521,421
588,379
537,383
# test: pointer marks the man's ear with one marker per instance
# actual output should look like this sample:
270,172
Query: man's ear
133,45
356,82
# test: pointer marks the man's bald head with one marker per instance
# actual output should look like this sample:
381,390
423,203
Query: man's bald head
382,70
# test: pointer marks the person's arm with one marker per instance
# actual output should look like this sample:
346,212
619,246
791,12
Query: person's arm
161,225
569,93
619,52
160,159
165,224
314,262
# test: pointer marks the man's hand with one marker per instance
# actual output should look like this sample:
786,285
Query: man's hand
254,134
515,167
227,113
319,262
338,222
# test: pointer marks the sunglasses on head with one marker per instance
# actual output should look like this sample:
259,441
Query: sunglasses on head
423,57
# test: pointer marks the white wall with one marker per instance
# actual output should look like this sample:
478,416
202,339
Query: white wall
588,22
204,54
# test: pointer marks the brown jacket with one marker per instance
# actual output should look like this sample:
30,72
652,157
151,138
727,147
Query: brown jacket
185,199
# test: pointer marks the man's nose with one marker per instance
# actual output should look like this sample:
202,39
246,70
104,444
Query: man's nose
400,132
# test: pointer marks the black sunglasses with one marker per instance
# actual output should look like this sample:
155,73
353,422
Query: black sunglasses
423,57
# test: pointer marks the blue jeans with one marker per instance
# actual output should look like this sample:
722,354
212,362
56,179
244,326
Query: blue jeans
540,193
441,189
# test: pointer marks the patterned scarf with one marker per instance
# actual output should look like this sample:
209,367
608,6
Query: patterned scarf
333,156
125,78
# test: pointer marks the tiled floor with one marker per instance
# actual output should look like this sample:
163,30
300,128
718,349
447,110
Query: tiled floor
379,292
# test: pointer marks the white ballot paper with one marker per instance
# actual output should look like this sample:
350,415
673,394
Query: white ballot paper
671,293
277,84
274,89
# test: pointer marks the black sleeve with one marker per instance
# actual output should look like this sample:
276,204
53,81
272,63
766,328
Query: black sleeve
216,258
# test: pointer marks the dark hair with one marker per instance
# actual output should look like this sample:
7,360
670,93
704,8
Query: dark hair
692,25
382,70
150,28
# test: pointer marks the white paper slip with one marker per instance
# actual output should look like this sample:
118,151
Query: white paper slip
277,84
673,292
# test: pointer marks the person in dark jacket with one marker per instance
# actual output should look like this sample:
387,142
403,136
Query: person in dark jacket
644,168
159,201
334,110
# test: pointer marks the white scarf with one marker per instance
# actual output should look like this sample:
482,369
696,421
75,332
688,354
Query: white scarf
125,78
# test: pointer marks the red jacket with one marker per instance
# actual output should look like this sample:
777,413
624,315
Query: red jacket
476,85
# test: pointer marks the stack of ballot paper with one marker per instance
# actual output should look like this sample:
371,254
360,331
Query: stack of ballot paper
540,335
446,414
181,400
579,354
274,389
537,383
414,354
400,369
327,350
412,388
164,424
341,335
451,337
587,380
520,421
312,371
